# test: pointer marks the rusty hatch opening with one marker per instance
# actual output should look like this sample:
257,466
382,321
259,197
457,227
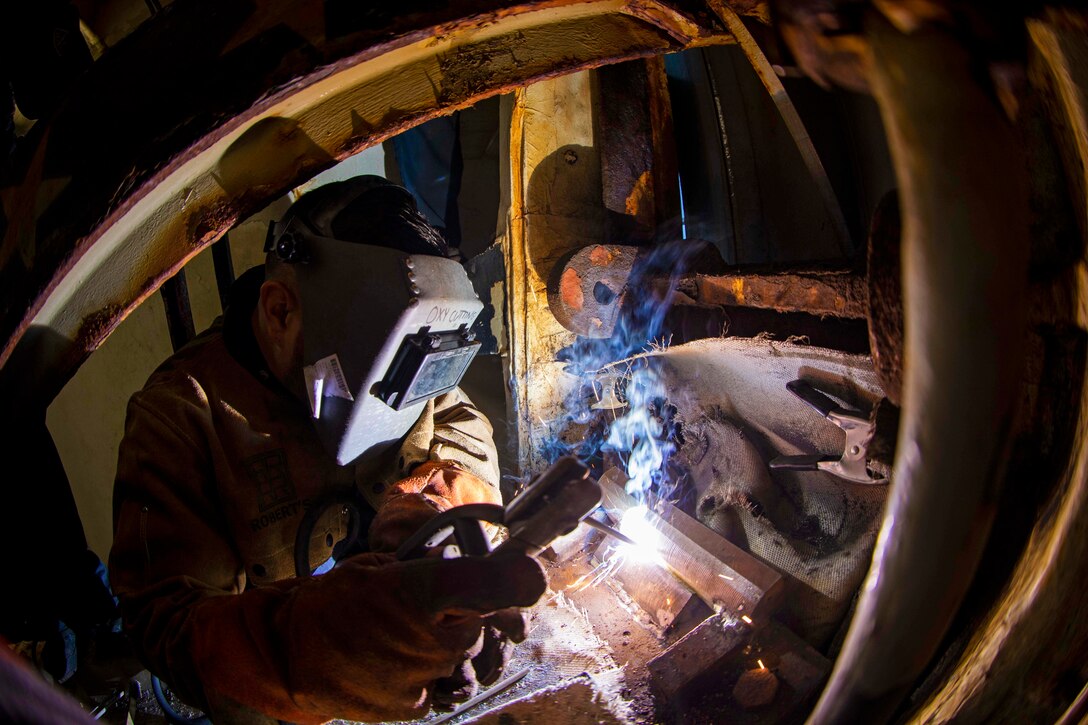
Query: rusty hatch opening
812,321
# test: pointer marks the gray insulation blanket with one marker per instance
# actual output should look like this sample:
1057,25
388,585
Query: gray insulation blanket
735,415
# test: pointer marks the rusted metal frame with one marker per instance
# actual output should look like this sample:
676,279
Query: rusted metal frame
224,269
293,88
1063,61
1023,650
179,313
965,240
204,212
94,203
789,114
824,294
682,28
587,289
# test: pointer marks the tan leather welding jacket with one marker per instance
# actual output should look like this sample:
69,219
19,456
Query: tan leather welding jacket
217,468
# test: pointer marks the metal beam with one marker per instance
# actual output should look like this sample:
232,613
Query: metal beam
224,269
179,313
834,294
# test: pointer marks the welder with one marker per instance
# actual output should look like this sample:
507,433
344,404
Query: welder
270,466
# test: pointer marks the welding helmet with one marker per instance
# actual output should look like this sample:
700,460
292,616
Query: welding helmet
386,317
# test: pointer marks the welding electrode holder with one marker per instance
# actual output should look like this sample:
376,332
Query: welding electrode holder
852,465
552,505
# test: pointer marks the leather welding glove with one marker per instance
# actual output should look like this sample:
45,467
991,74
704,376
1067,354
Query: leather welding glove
406,506
433,487
485,661
366,641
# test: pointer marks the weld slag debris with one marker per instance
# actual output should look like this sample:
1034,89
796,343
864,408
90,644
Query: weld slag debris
641,436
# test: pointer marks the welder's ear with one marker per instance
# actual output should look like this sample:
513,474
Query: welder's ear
279,304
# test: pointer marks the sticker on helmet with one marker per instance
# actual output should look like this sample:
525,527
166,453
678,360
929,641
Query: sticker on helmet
325,378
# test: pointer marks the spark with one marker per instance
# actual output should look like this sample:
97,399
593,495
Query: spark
746,618
635,525
577,582
761,666
593,577
606,569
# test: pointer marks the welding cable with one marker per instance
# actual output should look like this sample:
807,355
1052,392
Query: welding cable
487,694
353,543
109,702
173,716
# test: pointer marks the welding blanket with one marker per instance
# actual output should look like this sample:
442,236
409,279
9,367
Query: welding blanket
215,473
735,415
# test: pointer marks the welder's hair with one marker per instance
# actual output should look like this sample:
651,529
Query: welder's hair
367,210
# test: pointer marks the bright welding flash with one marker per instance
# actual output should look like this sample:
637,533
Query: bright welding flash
636,525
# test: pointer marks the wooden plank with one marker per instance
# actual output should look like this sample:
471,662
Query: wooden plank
720,573
555,208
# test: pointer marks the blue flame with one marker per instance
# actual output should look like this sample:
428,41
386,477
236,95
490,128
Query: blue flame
641,434
638,436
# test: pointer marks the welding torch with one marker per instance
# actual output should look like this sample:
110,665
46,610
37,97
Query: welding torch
552,505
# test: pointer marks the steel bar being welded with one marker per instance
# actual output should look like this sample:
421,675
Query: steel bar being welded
720,573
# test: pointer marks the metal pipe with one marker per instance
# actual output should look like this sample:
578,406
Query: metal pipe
224,268
179,313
